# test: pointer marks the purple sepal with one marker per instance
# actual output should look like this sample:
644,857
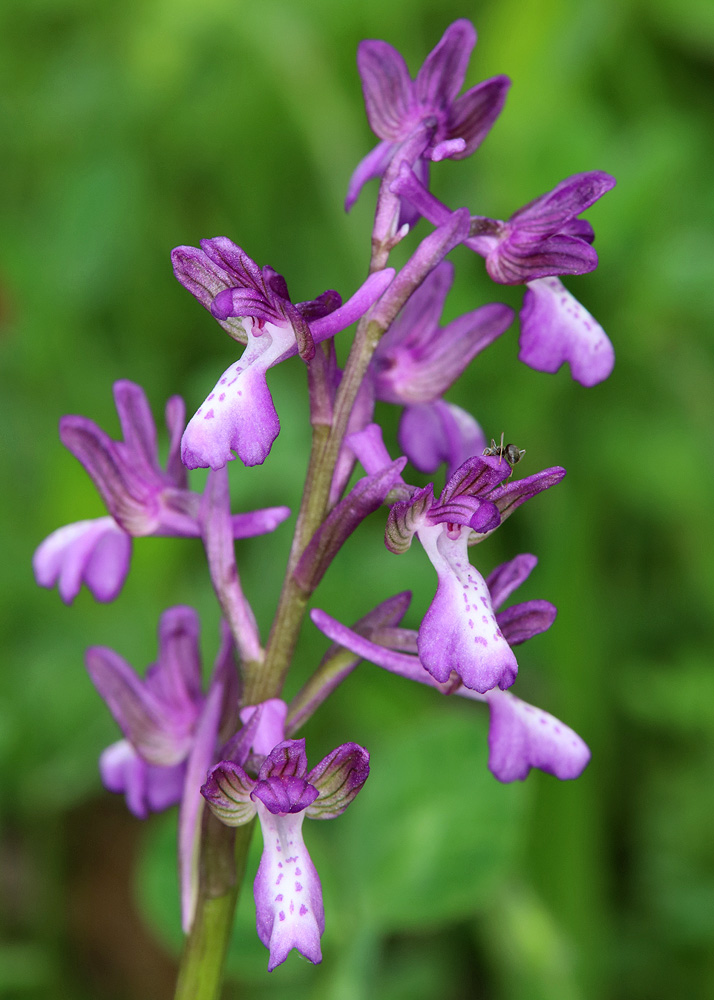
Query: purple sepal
96,553
288,895
147,788
338,779
514,493
459,632
227,789
281,795
556,329
432,433
159,714
509,576
521,622
521,737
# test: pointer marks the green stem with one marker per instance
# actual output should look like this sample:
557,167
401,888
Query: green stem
201,970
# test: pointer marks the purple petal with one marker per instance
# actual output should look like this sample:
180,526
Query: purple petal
191,809
416,325
175,423
551,211
338,779
286,760
459,631
95,552
507,498
129,492
258,522
241,268
521,737
373,165
179,666
473,114
421,374
160,735
387,89
288,894
204,280
508,576
147,788
227,790
555,328
432,433
271,727
514,262
138,427
440,78
285,795
522,621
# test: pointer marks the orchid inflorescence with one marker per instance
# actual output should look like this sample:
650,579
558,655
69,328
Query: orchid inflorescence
232,746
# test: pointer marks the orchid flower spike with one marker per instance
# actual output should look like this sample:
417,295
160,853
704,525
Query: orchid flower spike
520,736
288,893
398,107
253,304
142,499
540,241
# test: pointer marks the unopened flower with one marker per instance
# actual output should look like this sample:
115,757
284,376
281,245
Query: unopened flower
239,414
288,893
397,106
142,498
520,736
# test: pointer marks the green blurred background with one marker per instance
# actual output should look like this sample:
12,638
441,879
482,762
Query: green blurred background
131,128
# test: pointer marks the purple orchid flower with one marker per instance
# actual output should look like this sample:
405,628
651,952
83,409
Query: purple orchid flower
171,729
287,889
239,414
520,736
141,497
540,241
398,108
417,361
459,632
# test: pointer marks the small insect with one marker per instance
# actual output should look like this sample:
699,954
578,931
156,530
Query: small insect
511,452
